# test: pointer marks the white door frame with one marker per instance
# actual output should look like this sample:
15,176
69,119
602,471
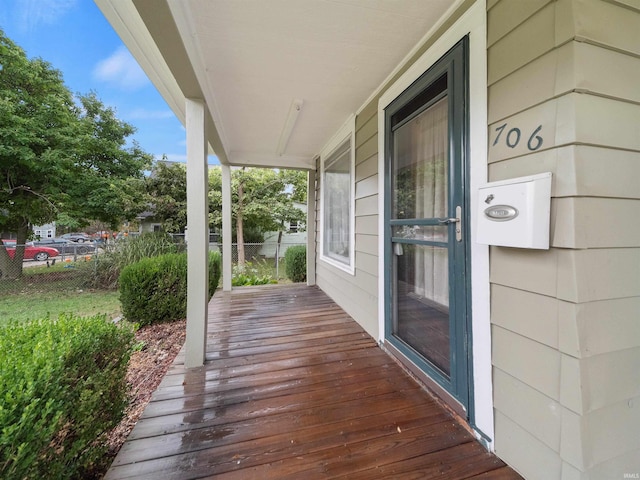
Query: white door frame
472,23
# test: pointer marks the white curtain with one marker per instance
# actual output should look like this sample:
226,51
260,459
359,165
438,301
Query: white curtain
430,146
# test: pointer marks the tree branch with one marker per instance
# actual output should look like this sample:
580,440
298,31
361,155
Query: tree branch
27,189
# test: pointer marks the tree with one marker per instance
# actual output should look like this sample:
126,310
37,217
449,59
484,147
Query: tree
167,190
262,200
59,158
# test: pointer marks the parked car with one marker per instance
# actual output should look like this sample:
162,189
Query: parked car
65,246
31,252
77,237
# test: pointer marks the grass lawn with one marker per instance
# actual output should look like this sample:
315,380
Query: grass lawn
33,305
50,291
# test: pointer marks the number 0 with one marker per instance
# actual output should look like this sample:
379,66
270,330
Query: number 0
511,144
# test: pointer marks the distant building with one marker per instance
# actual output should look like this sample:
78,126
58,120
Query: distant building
48,230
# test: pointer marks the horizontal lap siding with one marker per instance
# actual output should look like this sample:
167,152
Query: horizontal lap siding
566,340
358,294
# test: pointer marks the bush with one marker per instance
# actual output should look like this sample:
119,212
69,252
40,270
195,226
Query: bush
215,271
63,388
104,270
155,289
296,263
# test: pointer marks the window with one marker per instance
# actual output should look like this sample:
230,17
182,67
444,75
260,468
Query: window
293,226
337,201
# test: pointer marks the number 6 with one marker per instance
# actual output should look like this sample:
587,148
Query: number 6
536,138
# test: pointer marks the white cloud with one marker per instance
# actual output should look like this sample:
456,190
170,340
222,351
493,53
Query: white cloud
146,114
121,70
31,14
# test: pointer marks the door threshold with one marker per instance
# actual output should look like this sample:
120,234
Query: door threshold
448,401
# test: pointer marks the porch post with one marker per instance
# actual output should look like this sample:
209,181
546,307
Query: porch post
198,241
311,227
226,228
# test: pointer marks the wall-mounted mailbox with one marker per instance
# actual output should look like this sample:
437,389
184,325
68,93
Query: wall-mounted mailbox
515,212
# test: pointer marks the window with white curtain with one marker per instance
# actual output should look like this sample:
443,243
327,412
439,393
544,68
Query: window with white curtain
337,206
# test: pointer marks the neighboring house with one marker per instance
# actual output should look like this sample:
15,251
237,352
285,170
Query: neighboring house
400,111
45,231
147,223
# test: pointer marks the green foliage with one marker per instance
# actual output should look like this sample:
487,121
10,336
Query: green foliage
250,235
167,189
296,263
258,273
104,270
155,289
215,271
63,388
262,198
103,178
59,157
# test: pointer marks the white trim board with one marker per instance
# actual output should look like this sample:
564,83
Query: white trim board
473,23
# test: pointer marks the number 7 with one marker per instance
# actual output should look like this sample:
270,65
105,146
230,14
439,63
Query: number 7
499,129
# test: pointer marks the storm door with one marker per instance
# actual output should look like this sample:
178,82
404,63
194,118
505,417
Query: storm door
426,224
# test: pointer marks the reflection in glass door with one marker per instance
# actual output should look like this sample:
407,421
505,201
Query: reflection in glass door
421,259
426,246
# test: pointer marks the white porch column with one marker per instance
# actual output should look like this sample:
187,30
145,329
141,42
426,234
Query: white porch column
311,227
198,241
226,228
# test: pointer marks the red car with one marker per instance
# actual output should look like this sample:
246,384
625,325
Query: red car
31,252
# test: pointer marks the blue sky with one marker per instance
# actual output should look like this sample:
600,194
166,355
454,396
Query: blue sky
76,39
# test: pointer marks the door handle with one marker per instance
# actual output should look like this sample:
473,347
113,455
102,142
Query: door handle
457,220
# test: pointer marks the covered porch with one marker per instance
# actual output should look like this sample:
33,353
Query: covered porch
292,387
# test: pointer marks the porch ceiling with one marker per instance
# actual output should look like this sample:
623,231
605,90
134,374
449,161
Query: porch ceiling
250,60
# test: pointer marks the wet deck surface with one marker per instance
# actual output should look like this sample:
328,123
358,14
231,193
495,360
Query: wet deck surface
293,388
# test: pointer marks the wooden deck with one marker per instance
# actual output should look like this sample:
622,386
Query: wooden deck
293,388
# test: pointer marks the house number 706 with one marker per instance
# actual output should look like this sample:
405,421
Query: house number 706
512,138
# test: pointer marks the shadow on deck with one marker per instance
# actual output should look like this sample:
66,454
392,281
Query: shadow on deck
293,388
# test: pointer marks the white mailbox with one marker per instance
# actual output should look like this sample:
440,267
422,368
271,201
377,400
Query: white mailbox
515,212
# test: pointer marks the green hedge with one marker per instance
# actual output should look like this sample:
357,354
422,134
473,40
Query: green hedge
215,271
63,387
155,289
296,263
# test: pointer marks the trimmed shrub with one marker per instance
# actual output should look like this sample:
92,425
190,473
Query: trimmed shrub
63,388
215,271
296,263
155,289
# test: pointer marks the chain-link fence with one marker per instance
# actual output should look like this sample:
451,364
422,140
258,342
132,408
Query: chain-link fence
75,263
46,268
255,263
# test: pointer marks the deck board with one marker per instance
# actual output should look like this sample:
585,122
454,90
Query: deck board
293,388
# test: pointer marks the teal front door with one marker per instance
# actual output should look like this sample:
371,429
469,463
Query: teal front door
426,228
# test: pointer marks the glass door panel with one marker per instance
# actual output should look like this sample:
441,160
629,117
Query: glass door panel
422,302
420,186
420,174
